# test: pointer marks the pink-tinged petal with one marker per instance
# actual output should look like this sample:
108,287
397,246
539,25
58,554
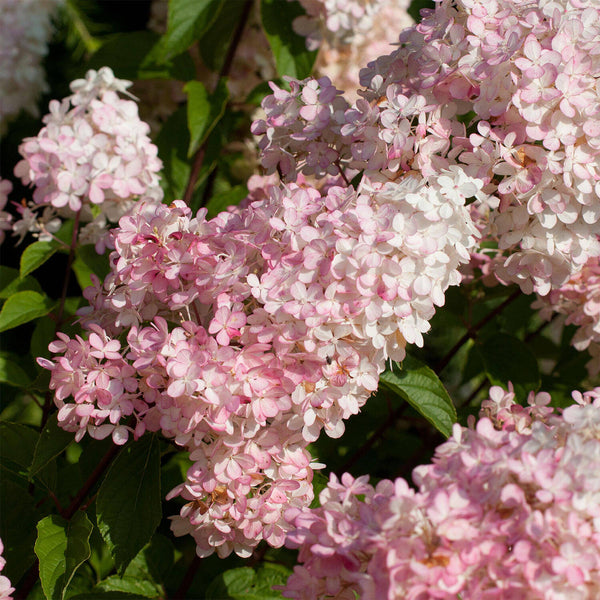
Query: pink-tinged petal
95,341
96,194
120,435
223,338
45,363
176,389
237,320
101,432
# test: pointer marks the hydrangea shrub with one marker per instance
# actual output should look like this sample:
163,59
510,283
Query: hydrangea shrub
222,317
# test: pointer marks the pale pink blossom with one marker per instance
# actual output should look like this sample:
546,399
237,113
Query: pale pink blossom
6,589
93,150
507,509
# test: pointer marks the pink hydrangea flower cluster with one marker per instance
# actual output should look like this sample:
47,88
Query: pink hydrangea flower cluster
5,217
579,300
93,150
6,589
508,509
243,337
349,35
301,131
524,77
25,29
336,21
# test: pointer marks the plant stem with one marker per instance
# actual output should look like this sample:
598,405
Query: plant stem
339,166
89,41
32,575
63,296
236,39
377,434
472,331
61,307
194,173
188,578
208,188
91,481
29,580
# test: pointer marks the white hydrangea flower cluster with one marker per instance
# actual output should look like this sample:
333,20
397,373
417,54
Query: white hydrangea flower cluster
25,28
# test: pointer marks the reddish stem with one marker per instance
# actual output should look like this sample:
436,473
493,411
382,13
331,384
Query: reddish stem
472,331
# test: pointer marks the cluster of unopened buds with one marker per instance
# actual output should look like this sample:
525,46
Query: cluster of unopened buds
92,157
507,509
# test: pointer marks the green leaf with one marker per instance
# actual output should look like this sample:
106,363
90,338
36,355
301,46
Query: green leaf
65,235
136,53
97,594
246,584
129,585
125,52
220,202
79,29
417,5
18,518
62,547
356,180
289,49
43,333
128,506
87,263
154,561
11,372
35,255
215,41
146,571
82,583
173,142
424,391
52,441
204,111
187,22
18,444
506,358
11,283
319,483
23,307
16,453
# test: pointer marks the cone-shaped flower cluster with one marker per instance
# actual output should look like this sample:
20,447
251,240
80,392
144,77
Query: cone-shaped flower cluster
248,334
523,76
93,150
